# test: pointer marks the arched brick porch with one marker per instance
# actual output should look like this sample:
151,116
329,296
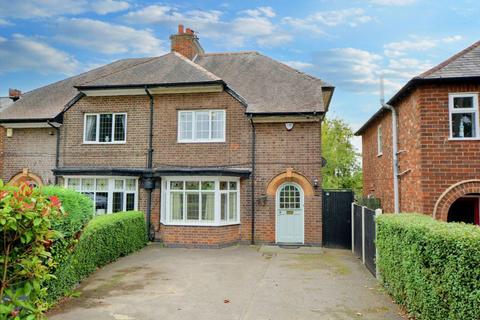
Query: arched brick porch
451,194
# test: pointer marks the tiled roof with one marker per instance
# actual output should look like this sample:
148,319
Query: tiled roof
267,86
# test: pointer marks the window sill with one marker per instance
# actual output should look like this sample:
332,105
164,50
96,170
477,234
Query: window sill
379,155
201,141
102,143
189,224
464,139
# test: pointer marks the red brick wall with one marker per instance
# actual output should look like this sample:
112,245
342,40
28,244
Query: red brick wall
190,236
429,160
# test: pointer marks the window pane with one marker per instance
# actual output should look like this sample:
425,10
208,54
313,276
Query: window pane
88,184
223,185
208,185
223,206
192,185
118,184
193,206
463,125
462,102
91,195
202,125
176,205
105,128
130,184
232,206
208,206
176,185
218,125
102,185
117,202
130,201
73,183
101,202
91,128
185,125
233,185
119,127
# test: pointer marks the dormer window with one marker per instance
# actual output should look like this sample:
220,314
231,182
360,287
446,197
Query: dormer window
463,110
201,126
105,128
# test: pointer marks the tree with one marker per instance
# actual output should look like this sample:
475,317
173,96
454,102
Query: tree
343,170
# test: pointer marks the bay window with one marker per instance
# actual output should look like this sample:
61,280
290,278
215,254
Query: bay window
201,126
109,195
463,113
105,128
201,200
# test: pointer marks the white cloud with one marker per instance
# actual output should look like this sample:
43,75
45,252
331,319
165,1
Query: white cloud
452,38
250,25
318,20
4,22
107,38
27,9
416,44
23,53
392,2
300,65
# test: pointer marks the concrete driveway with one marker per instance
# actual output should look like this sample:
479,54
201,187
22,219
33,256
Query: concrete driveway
233,283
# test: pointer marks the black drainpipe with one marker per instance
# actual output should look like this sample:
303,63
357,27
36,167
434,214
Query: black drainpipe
254,135
149,183
57,151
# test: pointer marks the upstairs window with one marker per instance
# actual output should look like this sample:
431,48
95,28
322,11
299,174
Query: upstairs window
201,126
463,111
379,141
105,128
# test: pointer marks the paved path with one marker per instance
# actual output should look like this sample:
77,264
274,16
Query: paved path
233,283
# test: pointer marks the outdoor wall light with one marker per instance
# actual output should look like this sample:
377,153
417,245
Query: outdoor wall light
289,125
315,183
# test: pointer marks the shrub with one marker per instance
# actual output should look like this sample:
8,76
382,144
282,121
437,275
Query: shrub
105,239
25,262
430,267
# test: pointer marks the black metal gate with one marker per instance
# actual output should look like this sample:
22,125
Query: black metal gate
337,228
357,235
370,250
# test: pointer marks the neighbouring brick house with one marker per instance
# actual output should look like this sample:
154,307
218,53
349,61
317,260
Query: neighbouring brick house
187,138
438,143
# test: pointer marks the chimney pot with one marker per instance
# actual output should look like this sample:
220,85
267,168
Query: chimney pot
14,94
189,31
180,28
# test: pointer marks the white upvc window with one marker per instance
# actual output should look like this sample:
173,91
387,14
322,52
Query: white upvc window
463,116
201,126
105,128
207,201
379,141
109,194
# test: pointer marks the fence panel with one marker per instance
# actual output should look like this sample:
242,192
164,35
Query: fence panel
357,227
370,250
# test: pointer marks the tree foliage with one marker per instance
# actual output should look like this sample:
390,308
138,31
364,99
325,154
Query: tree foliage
343,170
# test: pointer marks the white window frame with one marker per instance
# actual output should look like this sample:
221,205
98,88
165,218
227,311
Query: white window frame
474,110
165,207
379,141
110,190
97,141
194,129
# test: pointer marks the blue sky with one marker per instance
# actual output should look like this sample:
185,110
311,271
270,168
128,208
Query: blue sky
347,43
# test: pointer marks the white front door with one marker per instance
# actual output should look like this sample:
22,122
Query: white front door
289,214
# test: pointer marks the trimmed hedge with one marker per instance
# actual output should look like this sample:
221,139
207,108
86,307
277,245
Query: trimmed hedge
105,239
430,267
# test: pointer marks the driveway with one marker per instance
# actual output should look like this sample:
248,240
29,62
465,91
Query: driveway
239,282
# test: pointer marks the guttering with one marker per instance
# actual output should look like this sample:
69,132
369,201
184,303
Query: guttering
252,177
57,146
149,183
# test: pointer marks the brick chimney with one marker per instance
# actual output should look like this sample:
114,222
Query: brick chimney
186,43
14,94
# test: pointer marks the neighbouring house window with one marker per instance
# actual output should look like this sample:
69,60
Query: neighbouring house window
463,110
108,194
201,200
105,128
201,126
379,141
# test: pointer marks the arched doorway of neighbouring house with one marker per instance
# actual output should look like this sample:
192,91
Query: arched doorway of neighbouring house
465,209
26,177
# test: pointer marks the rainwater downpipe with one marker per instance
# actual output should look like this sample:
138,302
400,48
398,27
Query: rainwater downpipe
252,176
149,183
57,151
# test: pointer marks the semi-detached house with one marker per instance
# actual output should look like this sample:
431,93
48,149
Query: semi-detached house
215,148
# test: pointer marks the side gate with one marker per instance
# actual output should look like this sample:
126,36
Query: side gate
337,221
364,235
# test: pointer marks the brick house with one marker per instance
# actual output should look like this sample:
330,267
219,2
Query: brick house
188,138
438,143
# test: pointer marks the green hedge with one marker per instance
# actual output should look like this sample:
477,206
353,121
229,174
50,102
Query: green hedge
105,239
430,267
